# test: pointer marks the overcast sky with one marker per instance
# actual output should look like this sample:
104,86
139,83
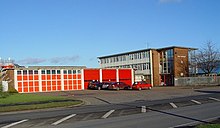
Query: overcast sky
76,32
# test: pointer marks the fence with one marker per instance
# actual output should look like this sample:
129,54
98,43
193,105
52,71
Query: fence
197,81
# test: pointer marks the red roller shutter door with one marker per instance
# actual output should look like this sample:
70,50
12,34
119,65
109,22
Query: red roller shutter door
125,76
89,75
109,75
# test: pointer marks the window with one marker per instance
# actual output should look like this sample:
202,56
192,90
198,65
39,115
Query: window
42,71
25,72
69,72
65,72
78,71
48,71
30,71
144,67
74,71
58,71
53,72
35,72
147,66
18,72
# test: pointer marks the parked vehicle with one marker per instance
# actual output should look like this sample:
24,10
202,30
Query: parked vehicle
119,85
141,85
105,85
95,85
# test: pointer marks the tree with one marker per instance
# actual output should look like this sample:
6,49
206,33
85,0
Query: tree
207,58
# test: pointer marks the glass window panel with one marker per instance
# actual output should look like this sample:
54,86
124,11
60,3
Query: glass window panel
18,72
35,71
48,71
42,71
25,72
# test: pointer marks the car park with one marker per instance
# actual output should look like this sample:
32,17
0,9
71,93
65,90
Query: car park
95,85
141,85
118,86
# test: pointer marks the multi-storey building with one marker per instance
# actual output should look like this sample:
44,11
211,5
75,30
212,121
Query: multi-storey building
158,66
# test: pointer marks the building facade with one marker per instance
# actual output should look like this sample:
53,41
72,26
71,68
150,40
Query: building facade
61,78
157,66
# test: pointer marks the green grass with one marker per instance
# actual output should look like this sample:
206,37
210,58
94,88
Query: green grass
26,98
14,98
209,126
38,106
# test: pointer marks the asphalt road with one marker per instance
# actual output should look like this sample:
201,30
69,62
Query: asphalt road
155,119
175,109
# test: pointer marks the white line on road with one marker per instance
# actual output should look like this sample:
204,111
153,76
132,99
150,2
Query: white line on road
212,98
143,109
195,101
173,105
15,123
108,114
63,119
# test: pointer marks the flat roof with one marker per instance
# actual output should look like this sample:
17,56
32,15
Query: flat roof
118,54
50,67
148,49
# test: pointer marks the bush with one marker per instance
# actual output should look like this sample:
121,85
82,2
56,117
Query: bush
0,87
12,90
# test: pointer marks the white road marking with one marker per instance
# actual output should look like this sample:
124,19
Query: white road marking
197,102
63,119
108,114
15,123
173,105
212,98
143,109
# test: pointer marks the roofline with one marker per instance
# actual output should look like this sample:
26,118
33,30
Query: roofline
50,67
170,47
148,49
118,54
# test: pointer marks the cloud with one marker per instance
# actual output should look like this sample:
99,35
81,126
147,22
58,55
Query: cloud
169,1
54,60
31,61
64,60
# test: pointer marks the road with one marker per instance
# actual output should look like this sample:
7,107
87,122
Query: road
156,119
168,106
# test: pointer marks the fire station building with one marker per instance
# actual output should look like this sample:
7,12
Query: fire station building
158,66
62,78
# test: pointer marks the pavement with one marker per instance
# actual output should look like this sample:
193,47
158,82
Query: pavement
100,97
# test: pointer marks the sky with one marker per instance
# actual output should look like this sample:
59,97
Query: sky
76,32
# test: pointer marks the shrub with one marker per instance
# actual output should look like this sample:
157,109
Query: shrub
12,90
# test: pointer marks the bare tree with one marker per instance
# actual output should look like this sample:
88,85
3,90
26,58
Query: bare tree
207,58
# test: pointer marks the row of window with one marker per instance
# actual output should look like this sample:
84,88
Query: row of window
126,57
31,72
141,66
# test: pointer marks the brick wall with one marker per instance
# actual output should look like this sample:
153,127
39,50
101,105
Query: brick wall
156,75
181,68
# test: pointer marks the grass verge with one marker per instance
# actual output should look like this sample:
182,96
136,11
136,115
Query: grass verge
208,126
33,101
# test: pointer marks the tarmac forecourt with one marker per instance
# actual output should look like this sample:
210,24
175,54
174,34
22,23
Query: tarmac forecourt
19,102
